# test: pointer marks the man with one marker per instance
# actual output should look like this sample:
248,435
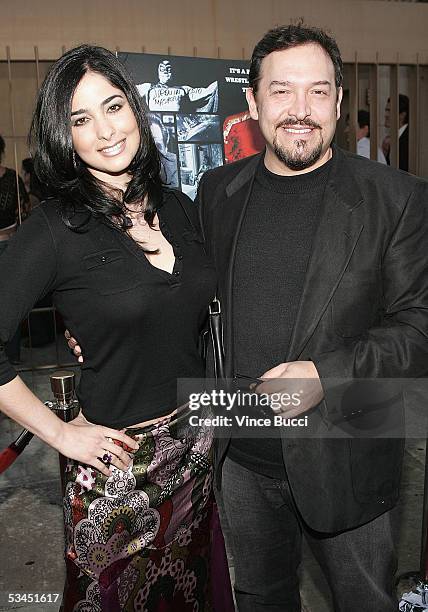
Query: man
166,96
403,132
321,257
363,136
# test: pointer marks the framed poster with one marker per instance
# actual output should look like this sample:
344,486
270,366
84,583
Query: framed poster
197,112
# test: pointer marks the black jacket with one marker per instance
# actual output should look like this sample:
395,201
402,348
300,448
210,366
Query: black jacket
363,314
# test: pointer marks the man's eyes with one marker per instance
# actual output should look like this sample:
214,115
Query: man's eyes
285,92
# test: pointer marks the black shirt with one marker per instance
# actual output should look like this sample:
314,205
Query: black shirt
138,325
272,256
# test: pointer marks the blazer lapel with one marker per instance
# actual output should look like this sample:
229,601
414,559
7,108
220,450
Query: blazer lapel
230,213
335,240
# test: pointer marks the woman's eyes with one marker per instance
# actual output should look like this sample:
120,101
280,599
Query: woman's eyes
80,121
113,108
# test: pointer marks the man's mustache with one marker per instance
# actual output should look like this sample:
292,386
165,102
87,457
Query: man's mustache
294,123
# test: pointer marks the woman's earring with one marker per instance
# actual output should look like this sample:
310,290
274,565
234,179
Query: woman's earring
74,160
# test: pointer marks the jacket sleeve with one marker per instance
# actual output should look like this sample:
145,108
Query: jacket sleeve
398,346
28,269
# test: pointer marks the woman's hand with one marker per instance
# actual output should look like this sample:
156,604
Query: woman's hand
78,439
94,445
72,344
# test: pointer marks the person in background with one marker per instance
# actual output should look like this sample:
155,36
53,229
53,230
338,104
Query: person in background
13,196
403,132
363,136
14,203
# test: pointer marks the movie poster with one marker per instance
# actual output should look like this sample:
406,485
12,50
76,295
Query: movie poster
197,111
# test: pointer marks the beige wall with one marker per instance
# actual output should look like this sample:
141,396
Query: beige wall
24,88
365,26
228,28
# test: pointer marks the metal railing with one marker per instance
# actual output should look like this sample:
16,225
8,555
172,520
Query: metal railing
356,73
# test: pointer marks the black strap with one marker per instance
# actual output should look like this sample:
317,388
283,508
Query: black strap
215,320
216,330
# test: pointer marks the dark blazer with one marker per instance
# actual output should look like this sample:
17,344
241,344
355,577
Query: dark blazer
363,314
403,151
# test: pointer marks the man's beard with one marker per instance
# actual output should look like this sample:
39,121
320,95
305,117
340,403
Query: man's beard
299,157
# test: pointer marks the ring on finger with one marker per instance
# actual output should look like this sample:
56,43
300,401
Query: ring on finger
106,459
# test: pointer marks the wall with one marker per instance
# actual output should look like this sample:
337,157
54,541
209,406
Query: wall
230,27
367,29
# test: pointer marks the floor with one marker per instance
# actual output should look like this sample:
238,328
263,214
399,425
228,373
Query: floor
31,520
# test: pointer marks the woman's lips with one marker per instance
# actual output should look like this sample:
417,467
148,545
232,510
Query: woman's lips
115,149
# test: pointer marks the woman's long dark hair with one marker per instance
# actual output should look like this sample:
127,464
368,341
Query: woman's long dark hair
65,175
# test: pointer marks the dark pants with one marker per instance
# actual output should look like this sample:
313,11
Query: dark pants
265,534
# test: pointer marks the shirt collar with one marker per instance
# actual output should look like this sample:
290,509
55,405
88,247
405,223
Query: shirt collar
402,129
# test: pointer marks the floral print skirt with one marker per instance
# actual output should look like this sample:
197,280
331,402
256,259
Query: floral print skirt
144,539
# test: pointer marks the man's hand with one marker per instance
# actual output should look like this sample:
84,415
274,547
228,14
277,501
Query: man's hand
296,377
72,343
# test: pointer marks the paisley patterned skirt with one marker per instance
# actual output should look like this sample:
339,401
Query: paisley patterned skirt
147,539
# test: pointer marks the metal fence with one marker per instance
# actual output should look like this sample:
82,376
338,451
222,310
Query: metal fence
366,86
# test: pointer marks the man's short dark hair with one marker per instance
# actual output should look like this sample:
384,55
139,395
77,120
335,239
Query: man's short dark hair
364,119
286,37
403,105
2,147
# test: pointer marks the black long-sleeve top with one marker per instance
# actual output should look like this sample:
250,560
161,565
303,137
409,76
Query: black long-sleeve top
138,325
9,198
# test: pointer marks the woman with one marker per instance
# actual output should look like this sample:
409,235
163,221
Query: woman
123,259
